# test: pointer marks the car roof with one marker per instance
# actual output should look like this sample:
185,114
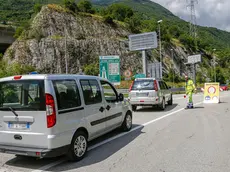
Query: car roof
139,79
51,77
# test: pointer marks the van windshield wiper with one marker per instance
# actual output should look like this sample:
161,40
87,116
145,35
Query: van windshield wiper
13,111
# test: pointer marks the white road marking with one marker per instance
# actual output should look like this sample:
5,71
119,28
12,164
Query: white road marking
46,167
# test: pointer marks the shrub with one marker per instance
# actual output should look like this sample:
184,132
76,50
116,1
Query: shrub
108,19
18,32
85,6
71,5
37,8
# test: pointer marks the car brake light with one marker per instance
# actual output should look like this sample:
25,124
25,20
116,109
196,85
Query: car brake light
17,77
50,111
130,88
155,85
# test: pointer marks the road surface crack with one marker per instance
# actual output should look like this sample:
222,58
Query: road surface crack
190,136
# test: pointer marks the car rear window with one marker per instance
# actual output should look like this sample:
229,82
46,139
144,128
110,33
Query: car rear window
143,85
23,95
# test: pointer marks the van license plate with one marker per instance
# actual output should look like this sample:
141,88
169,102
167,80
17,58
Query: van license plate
142,94
19,126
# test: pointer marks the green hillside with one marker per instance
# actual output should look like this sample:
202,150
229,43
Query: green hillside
17,11
209,37
139,16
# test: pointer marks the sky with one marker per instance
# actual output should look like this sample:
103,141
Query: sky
212,13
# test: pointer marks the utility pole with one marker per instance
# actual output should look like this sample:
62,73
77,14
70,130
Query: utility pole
159,28
66,61
161,61
214,64
192,23
172,65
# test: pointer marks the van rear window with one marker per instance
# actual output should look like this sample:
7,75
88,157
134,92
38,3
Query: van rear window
22,95
143,85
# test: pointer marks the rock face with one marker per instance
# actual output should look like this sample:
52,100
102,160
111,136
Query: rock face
87,38
57,37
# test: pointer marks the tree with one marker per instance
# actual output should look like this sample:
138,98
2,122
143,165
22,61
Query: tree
220,75
119,12
134,23
18,32
37,8
200,78
85,6
108,19
71,5
92,69
14,69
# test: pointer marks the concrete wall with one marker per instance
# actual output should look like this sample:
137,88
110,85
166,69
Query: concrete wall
6,39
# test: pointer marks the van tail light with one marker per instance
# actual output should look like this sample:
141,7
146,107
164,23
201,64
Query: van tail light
155,85
50,111
130,88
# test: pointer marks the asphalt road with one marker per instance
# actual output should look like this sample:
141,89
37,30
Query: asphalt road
174,140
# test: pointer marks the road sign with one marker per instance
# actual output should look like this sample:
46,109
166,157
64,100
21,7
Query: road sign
128,74
110,68
194,59
140,75
155,70
143,41
212,93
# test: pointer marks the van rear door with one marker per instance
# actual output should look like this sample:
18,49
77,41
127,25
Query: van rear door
23,120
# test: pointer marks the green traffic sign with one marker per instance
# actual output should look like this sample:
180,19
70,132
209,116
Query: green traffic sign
140,76
110,68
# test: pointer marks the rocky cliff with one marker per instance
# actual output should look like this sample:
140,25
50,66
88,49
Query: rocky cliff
86,37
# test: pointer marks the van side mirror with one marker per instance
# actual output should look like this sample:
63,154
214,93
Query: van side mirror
121,97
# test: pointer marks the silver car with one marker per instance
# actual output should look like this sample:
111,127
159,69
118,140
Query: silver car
149,92
51,115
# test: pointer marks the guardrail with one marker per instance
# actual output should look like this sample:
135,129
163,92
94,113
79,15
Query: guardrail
123,91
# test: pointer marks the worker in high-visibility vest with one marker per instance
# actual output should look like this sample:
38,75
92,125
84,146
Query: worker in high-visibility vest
190,89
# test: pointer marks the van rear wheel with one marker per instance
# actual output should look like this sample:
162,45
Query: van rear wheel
78,147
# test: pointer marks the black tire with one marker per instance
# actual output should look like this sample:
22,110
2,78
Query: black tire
127,123
134,108
162,106
72,155
170,102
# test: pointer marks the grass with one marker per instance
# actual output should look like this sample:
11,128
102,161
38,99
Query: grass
177,42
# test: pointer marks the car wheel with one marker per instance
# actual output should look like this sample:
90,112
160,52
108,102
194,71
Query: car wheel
134,108
78,147
170,102
127,123
162,106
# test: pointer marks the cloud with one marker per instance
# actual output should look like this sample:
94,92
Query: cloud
211,13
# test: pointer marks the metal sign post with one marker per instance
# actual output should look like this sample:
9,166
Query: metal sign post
142,42
144,63
155,70
193,60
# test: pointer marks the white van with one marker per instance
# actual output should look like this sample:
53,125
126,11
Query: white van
51,115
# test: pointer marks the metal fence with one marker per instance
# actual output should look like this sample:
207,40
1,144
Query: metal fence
181,89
